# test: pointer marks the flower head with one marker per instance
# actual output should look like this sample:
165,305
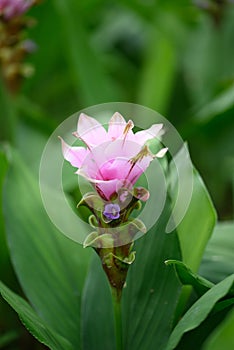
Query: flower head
114,158
14,8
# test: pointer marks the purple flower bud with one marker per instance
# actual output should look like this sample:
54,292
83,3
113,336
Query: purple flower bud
112,211
29,46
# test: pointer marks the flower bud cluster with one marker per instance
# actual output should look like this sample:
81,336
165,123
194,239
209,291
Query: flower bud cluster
111,219
115,230
14,45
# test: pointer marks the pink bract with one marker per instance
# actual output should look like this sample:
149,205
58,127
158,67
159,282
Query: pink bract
114,158
14,8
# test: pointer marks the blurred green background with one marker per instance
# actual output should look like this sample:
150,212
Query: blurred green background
176,57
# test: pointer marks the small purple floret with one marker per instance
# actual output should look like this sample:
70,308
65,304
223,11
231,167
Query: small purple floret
112,211
29,46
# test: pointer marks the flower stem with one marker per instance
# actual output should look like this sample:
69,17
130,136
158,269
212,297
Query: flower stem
116,298
8,114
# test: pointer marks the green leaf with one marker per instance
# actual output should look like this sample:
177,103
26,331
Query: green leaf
28,135
97,312
3,246
158,72
51,268
89,76
223,336
199,311
8,115
151,292
193,238
220,104
193,233
218,262
32,322
187,277
149,298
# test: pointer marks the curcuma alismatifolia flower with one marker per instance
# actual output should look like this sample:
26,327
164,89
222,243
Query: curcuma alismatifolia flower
112,160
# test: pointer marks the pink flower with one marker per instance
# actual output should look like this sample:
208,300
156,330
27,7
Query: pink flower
111,159
14,8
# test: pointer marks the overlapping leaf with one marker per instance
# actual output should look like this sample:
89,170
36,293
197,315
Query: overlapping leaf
199,311
222,337
218,261
97,311
149,298
50,268
32,321
187,277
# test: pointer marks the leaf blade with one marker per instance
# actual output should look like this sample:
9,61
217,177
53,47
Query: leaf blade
53,279
199,311
222,337
187,277
152,290
32,322
97,301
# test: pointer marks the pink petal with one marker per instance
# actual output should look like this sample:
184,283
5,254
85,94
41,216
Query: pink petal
139,168
117,125
122,169
95,160
120,129
117,168
74,155
121,148
14,8
104,188
109,159
91,131
145,135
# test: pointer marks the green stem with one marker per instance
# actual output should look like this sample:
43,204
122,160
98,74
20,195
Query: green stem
118,319
7,115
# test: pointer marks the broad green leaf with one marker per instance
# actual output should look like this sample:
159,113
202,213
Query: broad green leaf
158,73
48,58
220,104
208,57
32,322
97,311
193,233
218,262
149,298
7,275
199,311
193,238
27,135
89,76
187,277
51,268
223,336
152,291
195,338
